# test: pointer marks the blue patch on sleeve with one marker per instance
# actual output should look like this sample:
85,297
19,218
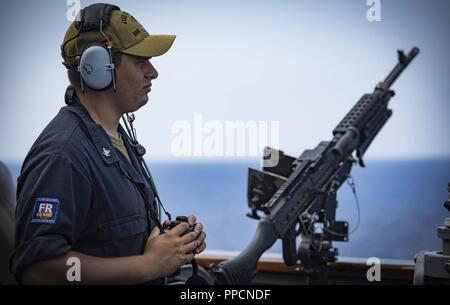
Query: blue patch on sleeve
45,210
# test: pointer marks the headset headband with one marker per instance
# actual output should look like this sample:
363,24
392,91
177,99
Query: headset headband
90,16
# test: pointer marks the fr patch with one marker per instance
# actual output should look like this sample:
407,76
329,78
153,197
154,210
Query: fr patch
45,210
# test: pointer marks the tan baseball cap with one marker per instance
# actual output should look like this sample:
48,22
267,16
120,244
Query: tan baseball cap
125,35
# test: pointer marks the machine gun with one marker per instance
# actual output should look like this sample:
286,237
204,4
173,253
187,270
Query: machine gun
299,193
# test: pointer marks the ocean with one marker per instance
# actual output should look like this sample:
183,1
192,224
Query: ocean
401,204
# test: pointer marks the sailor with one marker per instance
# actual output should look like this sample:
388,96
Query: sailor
83,194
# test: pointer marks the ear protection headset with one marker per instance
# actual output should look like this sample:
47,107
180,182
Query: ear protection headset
95,65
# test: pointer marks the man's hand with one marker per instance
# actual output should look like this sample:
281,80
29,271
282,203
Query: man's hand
201,235
167,252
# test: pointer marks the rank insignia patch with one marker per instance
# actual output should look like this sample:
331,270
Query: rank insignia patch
45,210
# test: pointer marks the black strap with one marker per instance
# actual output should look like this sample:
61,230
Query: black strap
151,213
91,15
70,94
195,279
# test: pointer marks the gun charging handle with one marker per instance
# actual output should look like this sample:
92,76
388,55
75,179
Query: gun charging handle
347,143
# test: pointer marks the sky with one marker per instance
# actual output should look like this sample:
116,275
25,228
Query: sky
303,64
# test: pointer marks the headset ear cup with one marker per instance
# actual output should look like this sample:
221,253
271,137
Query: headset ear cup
93,68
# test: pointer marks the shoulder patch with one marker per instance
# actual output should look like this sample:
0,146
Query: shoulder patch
45,210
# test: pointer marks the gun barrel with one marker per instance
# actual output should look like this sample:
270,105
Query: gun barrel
363,122
404,61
